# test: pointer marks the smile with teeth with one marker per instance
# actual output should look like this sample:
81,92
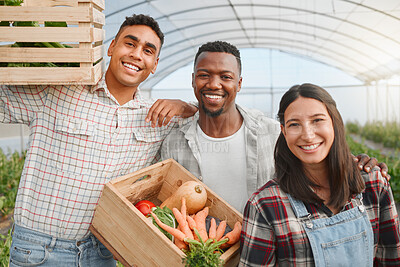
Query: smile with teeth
214,96
130,66
310,147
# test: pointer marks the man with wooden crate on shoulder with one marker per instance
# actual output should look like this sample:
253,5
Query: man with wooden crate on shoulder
80,138
227,146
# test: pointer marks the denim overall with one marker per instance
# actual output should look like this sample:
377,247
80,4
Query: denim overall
345,239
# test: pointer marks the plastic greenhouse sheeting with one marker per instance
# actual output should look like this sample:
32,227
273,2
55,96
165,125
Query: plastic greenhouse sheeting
360,37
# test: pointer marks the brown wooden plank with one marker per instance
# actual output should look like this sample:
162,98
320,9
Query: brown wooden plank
136,230
98,3
45,34
45,75
36,54
35,13
115,253
47,3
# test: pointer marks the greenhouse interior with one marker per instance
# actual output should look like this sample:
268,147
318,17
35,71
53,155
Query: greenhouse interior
349,47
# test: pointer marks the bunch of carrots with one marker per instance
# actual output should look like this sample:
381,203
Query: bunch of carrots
189,224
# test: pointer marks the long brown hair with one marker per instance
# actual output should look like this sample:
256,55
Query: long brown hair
345,178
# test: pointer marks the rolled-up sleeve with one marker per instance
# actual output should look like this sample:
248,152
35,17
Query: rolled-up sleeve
257,240
20,104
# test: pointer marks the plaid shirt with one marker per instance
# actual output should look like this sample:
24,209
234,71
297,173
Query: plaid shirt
80,138
272,235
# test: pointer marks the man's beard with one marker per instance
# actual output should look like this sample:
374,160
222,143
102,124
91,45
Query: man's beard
211,113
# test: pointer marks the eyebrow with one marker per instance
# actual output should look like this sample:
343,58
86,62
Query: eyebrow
315,115
224,71
134,38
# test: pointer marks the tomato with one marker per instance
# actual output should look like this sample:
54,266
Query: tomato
144,206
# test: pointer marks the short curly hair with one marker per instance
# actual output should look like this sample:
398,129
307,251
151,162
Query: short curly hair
140,19
220,46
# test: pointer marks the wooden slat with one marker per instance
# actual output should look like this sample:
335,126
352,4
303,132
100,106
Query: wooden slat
97,71
133,228
98,17
117,256
77,14
100,4
98,34
24,76
85,25
42,34
50,3
27,54
97,53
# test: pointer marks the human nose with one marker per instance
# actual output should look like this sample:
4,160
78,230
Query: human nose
135,53
308,132
214,83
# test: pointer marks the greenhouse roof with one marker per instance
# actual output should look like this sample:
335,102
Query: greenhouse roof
359,37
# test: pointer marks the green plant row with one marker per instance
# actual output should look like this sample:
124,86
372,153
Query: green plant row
10,173
392,163
387,133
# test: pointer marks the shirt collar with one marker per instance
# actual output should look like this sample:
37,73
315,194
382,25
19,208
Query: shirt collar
137,102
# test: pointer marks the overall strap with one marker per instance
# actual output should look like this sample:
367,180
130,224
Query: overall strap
298,207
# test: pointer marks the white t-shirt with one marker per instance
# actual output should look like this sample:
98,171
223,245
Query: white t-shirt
223,166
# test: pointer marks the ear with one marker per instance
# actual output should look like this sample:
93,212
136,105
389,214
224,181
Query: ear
239,85
155,66
111,48
283,130
193,83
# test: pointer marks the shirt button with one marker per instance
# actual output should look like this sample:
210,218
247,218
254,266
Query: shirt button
361,208
200,178
309,225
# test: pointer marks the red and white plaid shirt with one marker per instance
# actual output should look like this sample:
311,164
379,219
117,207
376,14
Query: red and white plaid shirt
80,138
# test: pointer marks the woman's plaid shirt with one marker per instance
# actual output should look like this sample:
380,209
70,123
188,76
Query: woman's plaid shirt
80,138
272,235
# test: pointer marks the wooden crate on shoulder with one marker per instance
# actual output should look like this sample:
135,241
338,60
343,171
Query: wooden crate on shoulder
84,33
133,239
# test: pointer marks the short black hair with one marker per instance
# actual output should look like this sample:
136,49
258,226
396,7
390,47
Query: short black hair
220,46
141,19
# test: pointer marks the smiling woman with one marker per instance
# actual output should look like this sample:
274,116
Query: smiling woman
318,208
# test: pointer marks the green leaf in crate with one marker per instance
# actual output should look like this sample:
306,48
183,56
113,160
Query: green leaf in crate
55,24
26,24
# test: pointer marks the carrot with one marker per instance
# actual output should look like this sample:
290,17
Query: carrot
173,231
212,232
191,222
220,230
183,208
180,244
200,219
233,236
182,223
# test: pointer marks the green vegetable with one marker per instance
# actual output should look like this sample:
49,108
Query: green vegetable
11,2
166,216
55,24
26,24
203,254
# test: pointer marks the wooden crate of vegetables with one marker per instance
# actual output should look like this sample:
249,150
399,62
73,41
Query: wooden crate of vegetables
123,223
51,41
